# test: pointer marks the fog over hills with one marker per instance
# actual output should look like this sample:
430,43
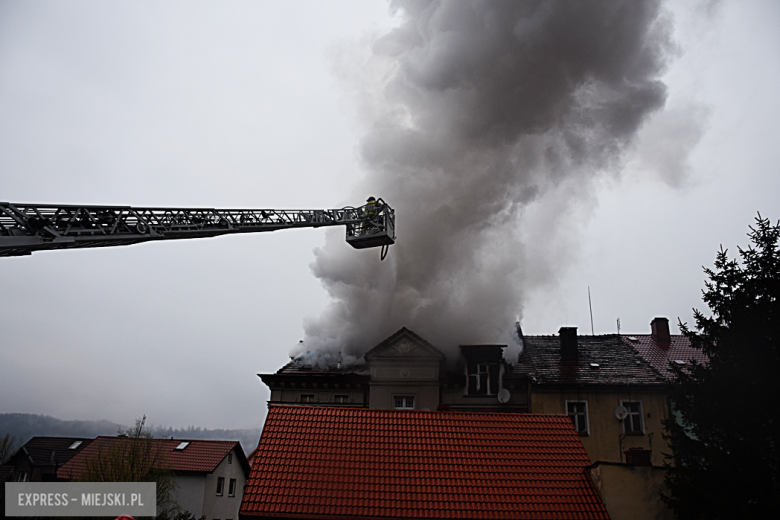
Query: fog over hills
24,426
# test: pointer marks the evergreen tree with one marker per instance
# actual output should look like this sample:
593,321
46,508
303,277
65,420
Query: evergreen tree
725,432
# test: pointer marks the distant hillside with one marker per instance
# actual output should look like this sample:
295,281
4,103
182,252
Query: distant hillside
24,426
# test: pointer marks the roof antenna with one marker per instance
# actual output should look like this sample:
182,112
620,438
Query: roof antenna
618,324
338,365
591,313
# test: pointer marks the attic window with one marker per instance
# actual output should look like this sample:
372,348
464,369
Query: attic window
483,369
75,445
483,378
182,445
403,402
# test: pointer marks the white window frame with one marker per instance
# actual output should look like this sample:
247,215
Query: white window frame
405,405
482,369
220,486
641,416
587,414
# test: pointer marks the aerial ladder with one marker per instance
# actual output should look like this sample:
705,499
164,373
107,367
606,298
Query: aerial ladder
26,228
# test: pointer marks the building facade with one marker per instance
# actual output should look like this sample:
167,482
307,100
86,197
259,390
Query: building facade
611,386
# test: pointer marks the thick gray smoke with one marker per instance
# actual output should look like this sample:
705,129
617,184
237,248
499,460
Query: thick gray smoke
475,110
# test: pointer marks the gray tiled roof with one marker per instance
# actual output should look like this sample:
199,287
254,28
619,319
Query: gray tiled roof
618,363
40,449
298,367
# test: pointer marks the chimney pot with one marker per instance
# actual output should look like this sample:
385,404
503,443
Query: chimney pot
568,342
660,329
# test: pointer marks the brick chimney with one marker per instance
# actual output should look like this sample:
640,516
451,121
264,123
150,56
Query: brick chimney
660,329
568,342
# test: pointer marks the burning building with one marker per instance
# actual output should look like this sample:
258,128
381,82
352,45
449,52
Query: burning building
406,372
613,386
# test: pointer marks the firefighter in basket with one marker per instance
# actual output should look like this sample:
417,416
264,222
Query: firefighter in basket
373,209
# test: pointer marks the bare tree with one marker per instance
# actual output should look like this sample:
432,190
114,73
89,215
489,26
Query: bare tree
135,456
8,447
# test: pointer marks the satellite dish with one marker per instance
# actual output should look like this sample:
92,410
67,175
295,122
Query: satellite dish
621,412
503,396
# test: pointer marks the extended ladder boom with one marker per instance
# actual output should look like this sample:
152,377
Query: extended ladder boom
25,228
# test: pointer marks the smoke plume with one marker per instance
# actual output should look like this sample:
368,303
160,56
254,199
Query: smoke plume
475,112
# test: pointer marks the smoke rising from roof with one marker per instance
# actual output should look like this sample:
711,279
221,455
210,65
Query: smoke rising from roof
474,112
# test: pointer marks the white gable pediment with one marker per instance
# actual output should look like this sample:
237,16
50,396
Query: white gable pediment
404,344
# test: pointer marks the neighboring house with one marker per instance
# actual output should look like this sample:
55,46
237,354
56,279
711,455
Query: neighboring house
40,458
615,399
211,475
597,379
347,463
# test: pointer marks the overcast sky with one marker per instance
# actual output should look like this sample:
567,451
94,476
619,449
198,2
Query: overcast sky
252,104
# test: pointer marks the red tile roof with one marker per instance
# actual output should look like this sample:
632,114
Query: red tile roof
659,355
328,463
198,456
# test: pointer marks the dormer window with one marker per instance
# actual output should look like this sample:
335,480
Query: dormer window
483,378
484,368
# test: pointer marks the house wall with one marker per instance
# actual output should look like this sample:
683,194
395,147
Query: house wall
631,492
416,377
293,395
606,440
190,494
224,507
23,470
456,398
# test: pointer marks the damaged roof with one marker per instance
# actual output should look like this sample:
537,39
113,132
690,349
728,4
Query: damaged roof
328,463
300,366
600,360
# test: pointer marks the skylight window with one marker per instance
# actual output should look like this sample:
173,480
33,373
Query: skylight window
680,362
182,445
594,365
75,445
